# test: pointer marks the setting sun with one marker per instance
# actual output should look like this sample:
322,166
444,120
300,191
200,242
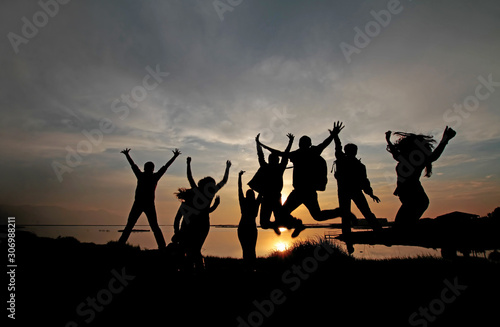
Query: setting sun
281,246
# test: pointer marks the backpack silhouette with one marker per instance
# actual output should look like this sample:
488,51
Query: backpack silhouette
319,173
259,180
350,170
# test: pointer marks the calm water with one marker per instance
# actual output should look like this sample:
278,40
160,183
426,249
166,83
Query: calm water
224,242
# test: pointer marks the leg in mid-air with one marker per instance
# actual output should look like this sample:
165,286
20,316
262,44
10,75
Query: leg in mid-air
293,201
360,201
414,202
345,211
150,212
285,219
311,203
133,216
347,218
421,203
271,204
266,209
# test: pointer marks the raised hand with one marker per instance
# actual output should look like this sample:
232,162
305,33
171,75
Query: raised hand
337,127
125,152
388,135
188,160
241,172
176,152
449,133
228,164
290,136
257,138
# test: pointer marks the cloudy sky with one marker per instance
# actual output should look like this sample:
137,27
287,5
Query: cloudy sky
90,78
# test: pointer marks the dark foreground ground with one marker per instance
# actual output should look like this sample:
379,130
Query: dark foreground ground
62,282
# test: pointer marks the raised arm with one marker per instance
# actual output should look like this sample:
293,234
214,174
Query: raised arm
163,169
215,205
225,178
241,197
337,127
176,153
191,181
322,146
284,160
135,169
448,134
270,149
260,153
291,137
177,219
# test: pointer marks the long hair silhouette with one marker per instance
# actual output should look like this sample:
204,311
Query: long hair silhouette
409,142
414,153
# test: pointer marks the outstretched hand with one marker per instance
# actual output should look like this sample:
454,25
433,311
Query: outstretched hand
176,152
375,198
337,127
125,152
257,138
290,136
449,133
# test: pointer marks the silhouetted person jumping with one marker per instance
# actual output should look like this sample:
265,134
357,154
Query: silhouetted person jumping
414,153
145,197
186,211
309,176
199,220
352,181
186,233
247,228
268,181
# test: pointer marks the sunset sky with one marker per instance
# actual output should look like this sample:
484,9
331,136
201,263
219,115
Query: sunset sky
206,77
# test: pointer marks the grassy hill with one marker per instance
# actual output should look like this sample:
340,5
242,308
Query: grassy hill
62,282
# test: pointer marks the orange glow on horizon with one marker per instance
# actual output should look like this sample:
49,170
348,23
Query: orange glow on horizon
281,246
